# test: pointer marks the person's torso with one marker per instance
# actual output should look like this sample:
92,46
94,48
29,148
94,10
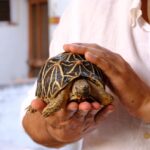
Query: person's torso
116,26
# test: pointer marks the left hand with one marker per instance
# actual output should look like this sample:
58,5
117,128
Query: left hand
75,119
124,82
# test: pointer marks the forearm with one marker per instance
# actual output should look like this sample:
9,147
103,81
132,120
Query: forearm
138,103
141,102
36,127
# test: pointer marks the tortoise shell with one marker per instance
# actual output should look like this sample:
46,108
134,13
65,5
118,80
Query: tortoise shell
62,69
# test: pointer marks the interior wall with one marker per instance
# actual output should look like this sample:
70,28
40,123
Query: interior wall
56,9
14,39
14,43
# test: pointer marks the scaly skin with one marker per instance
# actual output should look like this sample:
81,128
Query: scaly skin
82,90
57,103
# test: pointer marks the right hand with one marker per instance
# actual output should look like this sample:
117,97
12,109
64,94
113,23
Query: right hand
75,120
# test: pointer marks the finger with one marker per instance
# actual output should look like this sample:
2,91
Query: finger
71,109
91,45
96,108
88,110
63,114
72,106
104,113
38,104
66,113
78,111
80,115
84,108
69,47
98,56
96,59
101,61
57,117
89,120
75,48
96,105
82,48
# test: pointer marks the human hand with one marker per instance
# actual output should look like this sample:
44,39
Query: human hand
124,82
75,120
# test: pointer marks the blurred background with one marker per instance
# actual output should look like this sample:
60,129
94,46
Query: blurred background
26,29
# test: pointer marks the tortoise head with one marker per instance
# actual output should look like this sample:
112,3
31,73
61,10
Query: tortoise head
81,88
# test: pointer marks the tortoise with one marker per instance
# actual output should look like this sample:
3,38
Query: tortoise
70,77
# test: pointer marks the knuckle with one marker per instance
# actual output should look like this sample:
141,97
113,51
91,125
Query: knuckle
120,59
95,45
97,60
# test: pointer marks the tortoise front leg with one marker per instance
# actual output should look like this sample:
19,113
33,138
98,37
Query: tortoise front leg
56,103
99,93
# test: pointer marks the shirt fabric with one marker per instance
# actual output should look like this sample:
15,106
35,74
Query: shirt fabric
118,26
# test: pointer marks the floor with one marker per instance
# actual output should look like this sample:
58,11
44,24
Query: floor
12,135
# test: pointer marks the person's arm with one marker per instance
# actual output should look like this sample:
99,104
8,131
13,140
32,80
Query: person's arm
67,125
144,111
124,82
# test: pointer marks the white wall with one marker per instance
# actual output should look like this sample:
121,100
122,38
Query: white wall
14,43
56,9
14,39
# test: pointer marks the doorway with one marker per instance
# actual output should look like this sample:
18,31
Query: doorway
38,35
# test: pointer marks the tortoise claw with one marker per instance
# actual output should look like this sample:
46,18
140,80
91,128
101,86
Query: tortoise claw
30,109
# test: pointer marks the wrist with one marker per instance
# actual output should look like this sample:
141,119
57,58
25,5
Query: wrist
144,110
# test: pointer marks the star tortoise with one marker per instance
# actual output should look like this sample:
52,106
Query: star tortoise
70,77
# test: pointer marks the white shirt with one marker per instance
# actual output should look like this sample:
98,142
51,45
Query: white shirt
118,26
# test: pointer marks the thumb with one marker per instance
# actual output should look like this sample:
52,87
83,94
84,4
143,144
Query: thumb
38,104
104,113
